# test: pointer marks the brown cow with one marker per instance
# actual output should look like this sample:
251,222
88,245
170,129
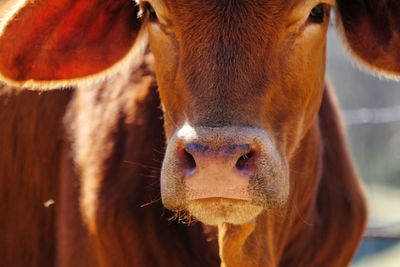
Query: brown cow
255,144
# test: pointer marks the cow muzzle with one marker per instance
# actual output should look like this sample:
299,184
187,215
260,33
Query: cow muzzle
226,174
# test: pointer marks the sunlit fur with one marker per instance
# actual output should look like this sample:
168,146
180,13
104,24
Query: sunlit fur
118,150
120,43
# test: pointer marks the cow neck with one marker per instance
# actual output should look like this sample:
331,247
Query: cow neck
324,185
271,231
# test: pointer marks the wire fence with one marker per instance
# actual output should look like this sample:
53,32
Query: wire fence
372,115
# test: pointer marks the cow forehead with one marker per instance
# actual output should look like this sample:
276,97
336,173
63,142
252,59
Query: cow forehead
213,7
227,31
242,3
228,9
252,21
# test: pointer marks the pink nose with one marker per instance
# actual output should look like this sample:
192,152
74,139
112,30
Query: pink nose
239,163
211,171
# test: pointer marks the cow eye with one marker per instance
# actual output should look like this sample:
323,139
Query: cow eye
149,12
317,14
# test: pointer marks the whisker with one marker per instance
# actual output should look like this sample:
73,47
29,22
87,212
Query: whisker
142,165
151,202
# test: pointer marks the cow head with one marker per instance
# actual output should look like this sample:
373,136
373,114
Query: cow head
240,81
240,84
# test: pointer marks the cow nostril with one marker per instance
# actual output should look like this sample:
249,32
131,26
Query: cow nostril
188,163
244,161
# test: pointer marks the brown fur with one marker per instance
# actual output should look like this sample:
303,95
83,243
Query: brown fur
31,136
240,63
276,245
127,229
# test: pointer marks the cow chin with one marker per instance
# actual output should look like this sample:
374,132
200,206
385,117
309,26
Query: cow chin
214,211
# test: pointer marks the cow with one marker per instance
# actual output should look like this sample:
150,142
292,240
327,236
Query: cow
255,150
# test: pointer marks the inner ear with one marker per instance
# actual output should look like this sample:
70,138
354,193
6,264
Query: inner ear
62,42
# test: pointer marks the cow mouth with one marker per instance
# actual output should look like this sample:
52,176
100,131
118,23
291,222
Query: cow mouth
214,211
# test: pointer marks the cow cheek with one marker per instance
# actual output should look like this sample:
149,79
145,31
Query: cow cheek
166,60
301,90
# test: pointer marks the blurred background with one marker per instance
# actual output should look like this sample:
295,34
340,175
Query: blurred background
371,109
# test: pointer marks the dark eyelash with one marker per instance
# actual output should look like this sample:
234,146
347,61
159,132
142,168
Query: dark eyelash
317,14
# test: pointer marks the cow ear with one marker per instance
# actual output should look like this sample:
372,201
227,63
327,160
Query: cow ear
371,28
56,43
